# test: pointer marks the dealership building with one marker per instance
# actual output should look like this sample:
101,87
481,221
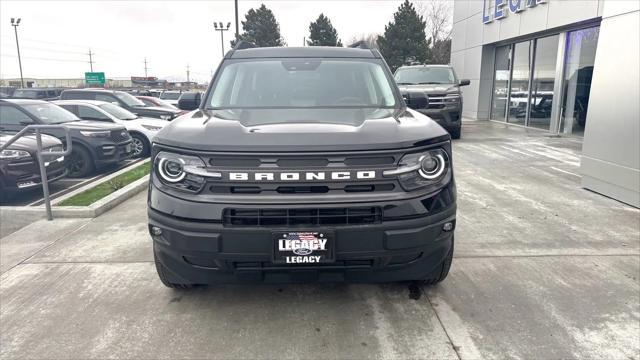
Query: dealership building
568,67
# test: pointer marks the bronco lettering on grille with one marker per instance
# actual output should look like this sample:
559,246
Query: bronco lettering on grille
302,175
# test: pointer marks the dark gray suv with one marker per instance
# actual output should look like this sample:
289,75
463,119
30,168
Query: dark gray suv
433,90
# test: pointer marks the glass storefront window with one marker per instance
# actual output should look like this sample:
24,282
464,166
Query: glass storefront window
580,56
520,83
544,74
501,83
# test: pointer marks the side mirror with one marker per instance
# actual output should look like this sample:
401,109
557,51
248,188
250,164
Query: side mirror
464,82
189,101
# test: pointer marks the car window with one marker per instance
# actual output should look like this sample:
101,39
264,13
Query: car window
71,108
49,113
170,96
302,83
118,112
425,75
147,102
88,113
128,99
9,115
29,94
51,93
105,97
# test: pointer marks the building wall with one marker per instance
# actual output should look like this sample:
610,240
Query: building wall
611,146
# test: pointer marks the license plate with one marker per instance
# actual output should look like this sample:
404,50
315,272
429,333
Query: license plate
303,247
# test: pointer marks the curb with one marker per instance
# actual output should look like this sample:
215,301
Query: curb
103,205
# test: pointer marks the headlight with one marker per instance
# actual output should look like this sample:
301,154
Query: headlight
183,172
452,98
96,134
14,154
430,169
152,128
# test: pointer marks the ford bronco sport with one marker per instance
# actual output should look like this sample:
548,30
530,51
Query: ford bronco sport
302,164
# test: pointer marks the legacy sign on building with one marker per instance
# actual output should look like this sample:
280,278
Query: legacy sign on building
500,8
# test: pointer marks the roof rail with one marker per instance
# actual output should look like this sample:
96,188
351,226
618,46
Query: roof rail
360,45
242,44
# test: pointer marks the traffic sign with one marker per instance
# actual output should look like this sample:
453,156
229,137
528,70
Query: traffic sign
94,78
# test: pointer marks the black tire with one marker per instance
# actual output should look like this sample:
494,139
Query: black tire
140,145
456,133
440,273
162,274
80,163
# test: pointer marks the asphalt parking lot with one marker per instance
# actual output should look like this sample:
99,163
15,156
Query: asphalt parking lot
543,269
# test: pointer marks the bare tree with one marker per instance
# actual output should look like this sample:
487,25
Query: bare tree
439,17
370,39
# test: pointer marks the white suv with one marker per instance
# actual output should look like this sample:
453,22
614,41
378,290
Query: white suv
142,129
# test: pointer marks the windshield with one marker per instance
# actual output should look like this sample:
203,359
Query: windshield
29,94
170,96
302,83
49,113
128,99
425,75
118,112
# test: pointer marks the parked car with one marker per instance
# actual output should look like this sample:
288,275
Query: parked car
141,129
46,94
171,96
154,101
156,92
433,90
308,167
123,99
95,144
19,168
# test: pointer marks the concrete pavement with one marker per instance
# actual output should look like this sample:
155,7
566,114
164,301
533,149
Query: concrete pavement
543,269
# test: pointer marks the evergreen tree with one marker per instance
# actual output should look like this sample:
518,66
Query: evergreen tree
322,33
261,28
404,40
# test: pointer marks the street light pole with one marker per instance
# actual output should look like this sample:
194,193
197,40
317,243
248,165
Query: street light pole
237,26
15,23
220,27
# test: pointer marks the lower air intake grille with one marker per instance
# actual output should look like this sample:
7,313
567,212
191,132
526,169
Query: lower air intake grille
302,217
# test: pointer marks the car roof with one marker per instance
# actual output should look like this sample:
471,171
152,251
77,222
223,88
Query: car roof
24,101
309,51
92,90
423,66
87,102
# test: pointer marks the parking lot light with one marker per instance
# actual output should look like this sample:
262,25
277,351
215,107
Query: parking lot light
15,22
219,26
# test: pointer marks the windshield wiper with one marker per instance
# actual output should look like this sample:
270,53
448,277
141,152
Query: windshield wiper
406,83
431,83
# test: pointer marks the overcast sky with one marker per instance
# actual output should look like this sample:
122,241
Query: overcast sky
55,35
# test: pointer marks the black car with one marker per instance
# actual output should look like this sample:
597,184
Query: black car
46,94
433,90
122,99
95,144
19,168
306,166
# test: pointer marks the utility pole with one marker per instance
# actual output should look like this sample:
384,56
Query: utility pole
188,74
15,23
237,31
145,68
218,26
91,59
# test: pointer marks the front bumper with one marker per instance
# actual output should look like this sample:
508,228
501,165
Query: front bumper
449,117
24,175
206,252
112,153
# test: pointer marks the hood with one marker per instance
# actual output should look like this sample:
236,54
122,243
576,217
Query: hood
92,125
428,88
156,109
151,121
300,130
29,143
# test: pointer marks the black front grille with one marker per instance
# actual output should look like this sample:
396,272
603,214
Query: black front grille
302,217
416,100
120,135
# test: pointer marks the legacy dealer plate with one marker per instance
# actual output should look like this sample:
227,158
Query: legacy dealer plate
302,247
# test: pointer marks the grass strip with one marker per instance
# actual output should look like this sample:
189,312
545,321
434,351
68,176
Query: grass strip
96,193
